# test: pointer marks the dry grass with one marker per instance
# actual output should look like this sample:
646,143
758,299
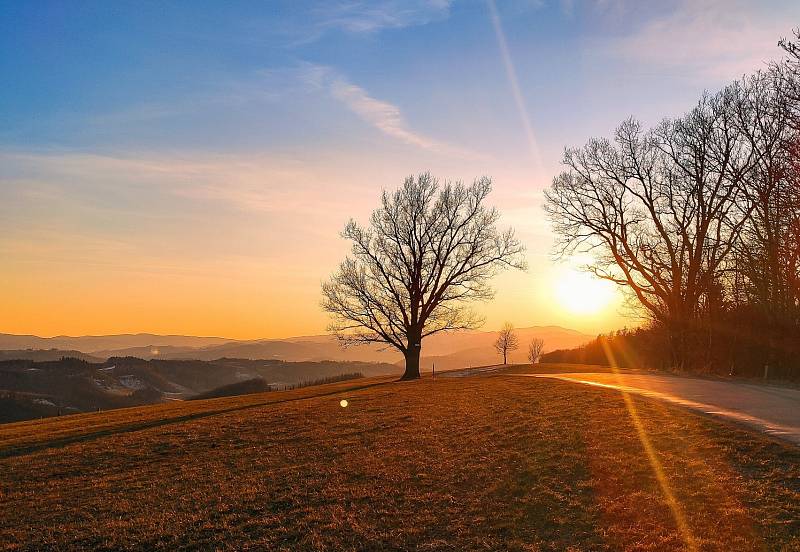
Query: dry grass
482,463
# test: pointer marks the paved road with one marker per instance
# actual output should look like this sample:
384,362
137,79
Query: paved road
773,410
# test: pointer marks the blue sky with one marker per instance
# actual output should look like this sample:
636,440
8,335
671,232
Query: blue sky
179,150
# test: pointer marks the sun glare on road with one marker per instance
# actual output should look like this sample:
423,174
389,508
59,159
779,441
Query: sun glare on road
581,293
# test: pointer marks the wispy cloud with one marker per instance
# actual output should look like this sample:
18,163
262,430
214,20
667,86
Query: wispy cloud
595,7
259,183
382,115
720,39
368,16
360,17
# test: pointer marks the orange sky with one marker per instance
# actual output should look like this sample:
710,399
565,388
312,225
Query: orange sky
208,260
189,171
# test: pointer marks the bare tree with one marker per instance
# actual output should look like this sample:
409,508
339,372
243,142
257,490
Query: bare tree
788,75
507,340
699,218
768,253
792,45
427,252
658,211
766,272
790,67
535,349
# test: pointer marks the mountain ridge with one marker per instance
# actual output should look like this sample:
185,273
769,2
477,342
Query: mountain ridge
448,350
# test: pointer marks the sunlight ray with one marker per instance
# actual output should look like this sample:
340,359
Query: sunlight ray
513,83
655,463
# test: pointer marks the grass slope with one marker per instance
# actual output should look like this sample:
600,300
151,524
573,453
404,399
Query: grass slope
480,463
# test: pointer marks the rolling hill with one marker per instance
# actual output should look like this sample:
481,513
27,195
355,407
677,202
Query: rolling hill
450,350
30,389
114,371
41,355
92,343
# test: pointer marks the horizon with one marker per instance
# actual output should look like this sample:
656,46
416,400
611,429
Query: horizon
168,187
136,334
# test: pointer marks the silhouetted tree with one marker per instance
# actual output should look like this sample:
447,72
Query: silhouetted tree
699,218
767,260
507,341
535,349
658,211
789,70
428,250
792,46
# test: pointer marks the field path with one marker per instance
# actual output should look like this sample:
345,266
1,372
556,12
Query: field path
773,410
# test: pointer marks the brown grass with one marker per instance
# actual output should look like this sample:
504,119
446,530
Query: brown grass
482,463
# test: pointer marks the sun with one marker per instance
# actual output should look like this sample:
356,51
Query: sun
582,293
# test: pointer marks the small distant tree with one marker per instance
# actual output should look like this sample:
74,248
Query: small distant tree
507,341
427,252
535,349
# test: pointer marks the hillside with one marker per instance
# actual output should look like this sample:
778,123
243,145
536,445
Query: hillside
31,389
471,463
246,387
41,355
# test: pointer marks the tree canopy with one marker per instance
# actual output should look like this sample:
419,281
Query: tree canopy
428,251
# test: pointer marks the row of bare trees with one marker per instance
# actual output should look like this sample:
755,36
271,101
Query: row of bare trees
508,341
699,220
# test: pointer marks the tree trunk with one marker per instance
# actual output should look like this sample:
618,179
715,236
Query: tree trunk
412,363
505,361
677,345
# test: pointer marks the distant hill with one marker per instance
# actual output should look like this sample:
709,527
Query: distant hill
41,355
449,350
259,385
465,349
92,343
246,387
31,389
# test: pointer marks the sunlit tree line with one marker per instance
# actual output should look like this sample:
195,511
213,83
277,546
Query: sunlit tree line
698,219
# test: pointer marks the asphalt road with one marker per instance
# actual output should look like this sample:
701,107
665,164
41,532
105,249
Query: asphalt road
773,410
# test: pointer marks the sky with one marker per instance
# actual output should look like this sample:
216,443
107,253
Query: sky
186,166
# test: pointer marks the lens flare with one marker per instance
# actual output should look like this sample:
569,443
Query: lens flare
343,403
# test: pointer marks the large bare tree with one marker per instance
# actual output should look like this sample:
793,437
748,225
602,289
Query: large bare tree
768,255
766,275
427,252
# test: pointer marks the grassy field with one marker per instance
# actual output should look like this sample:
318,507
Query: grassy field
479,463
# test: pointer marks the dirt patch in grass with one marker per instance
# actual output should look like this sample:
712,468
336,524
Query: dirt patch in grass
480,463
